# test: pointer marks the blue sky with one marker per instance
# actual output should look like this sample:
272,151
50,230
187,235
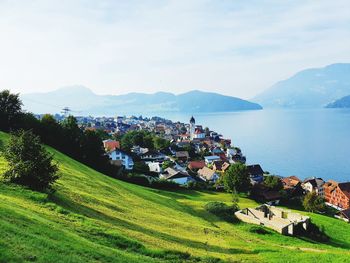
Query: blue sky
233,47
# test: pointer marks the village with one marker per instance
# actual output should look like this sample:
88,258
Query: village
198,155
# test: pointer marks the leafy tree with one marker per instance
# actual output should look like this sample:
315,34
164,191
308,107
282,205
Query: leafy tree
236,178
160,143
27,121
273,182
29,162
51,132
72,136
313,202
167,164
141,168
92,151
10,108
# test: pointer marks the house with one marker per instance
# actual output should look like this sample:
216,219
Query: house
292,185
344,215
152,156
182,155
220,166
337,195
210,159
218,152
121,158
139,150
255,173
314,185
263,194
283,221
198,133
111,145
196,165
208,174
177,176
155,167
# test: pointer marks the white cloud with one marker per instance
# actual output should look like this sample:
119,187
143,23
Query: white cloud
234,47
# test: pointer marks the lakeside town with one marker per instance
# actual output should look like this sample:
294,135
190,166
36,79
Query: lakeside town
193,155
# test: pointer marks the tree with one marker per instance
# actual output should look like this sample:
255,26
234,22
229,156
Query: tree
92,151
313,202
167,164
273,182
236,178
29,162
160,143
51,132
72,136
10,108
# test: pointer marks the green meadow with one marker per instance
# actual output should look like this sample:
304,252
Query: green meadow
94,218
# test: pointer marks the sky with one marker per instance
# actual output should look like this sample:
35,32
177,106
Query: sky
237,48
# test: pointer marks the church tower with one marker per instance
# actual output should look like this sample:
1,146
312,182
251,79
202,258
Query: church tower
192,127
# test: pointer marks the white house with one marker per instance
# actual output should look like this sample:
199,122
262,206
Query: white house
211,159
155,167
314,185
123,158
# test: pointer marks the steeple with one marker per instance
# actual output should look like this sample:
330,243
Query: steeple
192,120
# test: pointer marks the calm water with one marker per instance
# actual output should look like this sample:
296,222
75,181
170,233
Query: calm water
305,143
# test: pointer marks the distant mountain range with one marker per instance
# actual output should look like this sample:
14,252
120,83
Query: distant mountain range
83,101
310,88
343,102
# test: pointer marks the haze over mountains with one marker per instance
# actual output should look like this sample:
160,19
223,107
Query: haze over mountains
343,102
310,88
83,101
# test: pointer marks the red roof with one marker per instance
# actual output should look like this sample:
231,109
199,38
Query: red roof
111,145
196,164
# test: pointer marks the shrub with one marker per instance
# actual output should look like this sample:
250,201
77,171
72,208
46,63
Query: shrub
29,162
313,202
136,179
222,210
165,184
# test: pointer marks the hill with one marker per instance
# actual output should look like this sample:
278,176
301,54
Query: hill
95,218
86,102
310,88
343,102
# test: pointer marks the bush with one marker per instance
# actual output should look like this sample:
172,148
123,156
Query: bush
165,184
222,210
195,185
313,202
29,162
135,179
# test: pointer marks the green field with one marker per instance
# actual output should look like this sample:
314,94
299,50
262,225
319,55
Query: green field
94,218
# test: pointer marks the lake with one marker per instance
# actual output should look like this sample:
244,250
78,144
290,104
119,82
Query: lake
303,142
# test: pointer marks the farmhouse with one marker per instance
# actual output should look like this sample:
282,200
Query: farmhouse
283,221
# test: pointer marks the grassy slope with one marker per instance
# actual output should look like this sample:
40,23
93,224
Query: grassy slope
90,214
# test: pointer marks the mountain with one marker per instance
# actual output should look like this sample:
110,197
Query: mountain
86,102
343,102
95,218
310,88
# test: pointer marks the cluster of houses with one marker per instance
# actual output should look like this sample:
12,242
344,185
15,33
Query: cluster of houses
213,156
336,195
